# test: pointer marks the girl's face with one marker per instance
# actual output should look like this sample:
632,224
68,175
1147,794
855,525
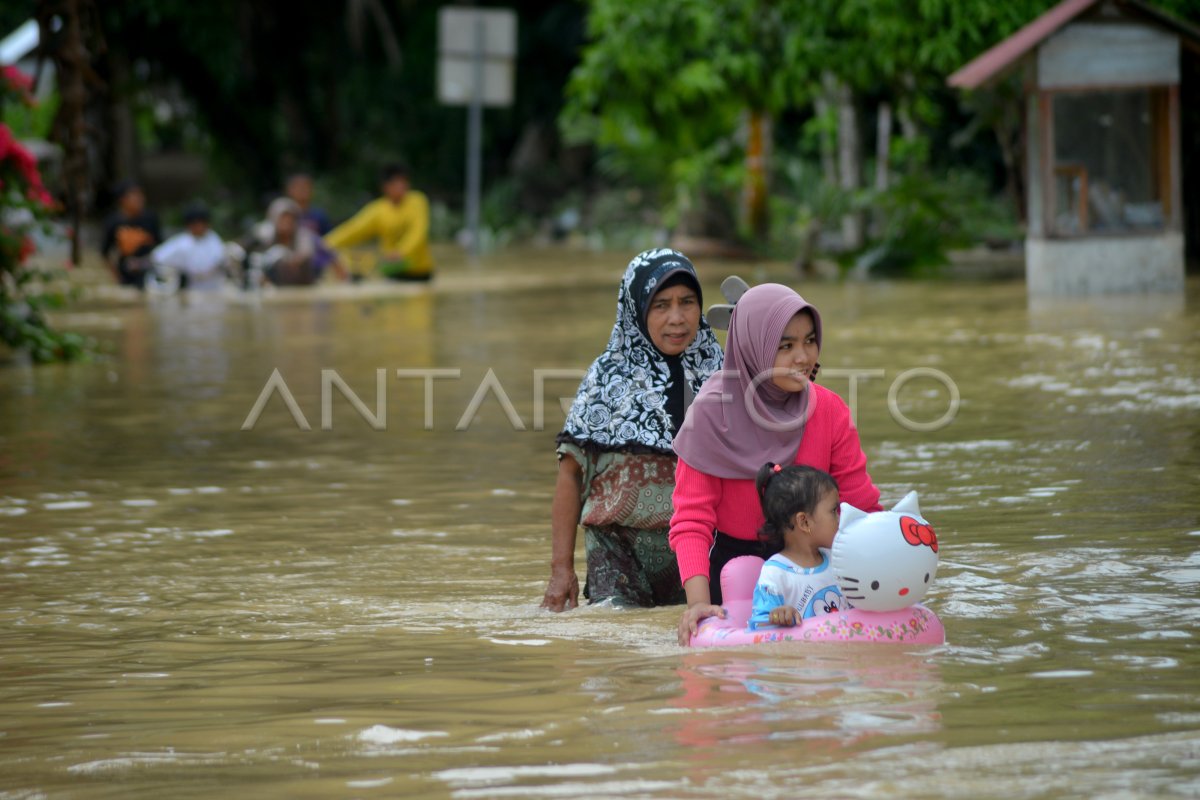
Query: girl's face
821,525
673,319
797,354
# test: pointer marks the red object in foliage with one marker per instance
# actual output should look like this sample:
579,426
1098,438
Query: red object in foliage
11,152
18,82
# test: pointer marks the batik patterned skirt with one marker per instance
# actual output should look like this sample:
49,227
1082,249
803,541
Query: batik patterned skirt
626,516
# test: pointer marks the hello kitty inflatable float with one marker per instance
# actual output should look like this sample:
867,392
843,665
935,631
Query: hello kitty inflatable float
884,563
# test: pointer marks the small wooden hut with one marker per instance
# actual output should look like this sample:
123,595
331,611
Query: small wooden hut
1101,82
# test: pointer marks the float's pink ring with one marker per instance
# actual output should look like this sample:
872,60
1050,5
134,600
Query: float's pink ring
915,624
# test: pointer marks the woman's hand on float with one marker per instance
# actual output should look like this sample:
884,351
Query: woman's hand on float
562,591
691,620
785,616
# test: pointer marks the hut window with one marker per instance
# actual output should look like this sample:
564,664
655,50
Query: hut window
1110,166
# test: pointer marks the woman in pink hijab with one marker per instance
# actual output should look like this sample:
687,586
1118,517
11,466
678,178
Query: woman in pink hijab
762,406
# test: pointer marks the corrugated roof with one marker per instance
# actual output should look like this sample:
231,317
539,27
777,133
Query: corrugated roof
1003,55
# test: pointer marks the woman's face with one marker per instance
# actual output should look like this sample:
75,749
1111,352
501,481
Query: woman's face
673,319
797,354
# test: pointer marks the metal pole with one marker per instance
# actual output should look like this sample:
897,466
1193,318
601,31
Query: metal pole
475,138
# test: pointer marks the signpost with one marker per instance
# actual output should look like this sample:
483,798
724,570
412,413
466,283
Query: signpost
476,49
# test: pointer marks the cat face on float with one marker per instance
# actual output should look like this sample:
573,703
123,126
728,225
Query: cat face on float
885,560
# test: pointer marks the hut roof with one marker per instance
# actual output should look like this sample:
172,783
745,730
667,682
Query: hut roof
1001,57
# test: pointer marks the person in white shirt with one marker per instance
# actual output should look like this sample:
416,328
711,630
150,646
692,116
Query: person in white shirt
197,253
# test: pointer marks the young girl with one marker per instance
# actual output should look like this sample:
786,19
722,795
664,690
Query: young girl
801,508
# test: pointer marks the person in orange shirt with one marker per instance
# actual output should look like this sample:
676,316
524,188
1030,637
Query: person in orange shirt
398,222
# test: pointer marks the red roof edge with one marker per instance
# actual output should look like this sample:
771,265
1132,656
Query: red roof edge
1001,56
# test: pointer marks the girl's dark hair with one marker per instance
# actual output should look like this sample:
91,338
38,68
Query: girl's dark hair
783,493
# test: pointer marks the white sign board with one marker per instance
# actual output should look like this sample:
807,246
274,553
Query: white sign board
456,76
462,32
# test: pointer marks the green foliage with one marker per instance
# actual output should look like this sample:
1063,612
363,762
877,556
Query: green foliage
662,87
1186,10
803,206
26,291
918,223
912,224
32,120
921,218
501,218
661,91
624,218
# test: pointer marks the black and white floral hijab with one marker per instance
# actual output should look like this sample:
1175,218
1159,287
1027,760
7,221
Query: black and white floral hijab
624,401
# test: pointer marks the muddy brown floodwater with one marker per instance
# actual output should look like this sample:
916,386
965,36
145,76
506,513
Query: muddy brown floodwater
190,609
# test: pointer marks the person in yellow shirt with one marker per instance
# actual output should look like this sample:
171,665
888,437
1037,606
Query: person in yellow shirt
398,222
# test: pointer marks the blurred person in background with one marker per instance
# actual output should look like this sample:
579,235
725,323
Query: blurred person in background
196,253
130,234
299,189
398,222
292,254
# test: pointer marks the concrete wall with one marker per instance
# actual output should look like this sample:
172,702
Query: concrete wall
1104,265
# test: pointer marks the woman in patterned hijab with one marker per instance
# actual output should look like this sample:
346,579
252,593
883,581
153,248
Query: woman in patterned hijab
616,463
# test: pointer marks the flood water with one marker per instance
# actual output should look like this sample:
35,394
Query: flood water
193,609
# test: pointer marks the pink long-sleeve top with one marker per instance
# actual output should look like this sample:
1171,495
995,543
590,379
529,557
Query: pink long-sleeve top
705,503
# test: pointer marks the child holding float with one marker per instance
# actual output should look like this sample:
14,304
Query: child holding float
866,587
801,510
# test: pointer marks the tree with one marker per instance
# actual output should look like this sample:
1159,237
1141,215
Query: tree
683,95
333,88
68,37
